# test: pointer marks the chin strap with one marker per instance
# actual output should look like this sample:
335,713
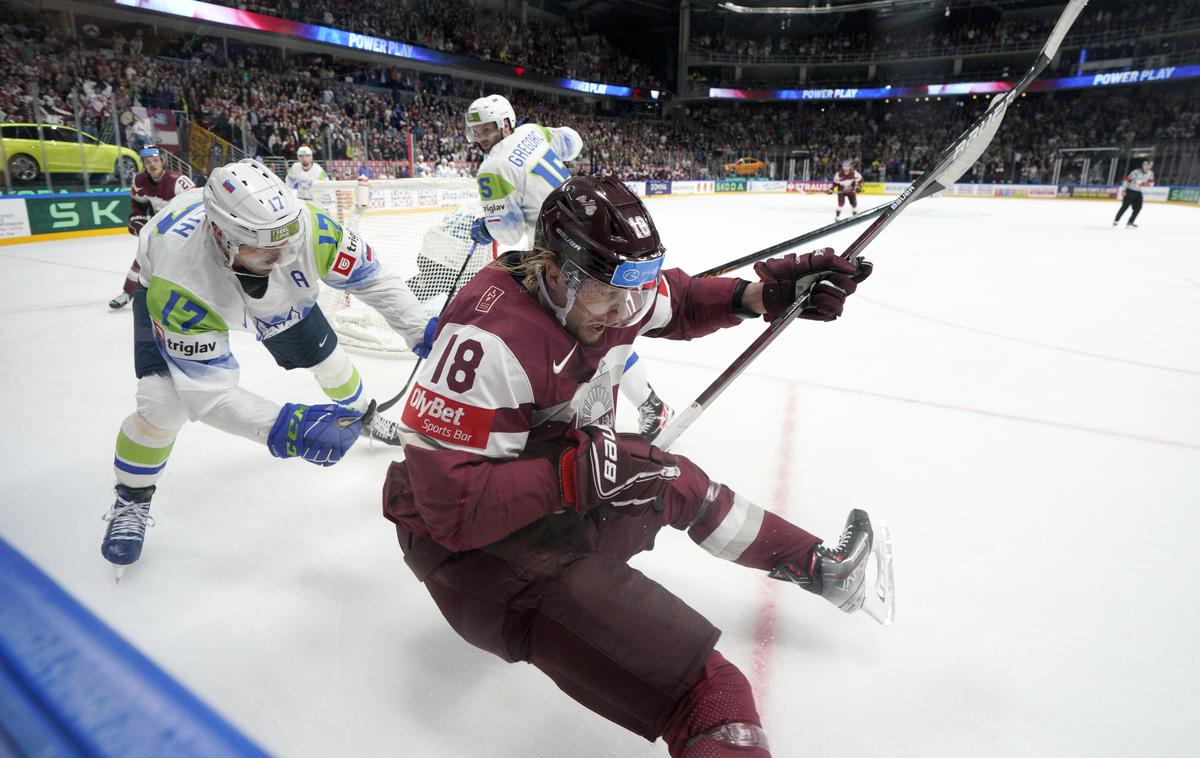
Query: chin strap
560,313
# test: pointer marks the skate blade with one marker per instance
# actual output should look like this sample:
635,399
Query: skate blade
880,602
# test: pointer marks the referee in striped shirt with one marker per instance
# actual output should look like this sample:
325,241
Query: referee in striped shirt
1133,184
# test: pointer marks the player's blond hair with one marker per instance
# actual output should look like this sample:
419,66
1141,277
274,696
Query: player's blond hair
527,265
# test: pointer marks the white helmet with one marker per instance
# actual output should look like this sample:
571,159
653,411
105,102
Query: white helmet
847,164
252,206
304,152
491,109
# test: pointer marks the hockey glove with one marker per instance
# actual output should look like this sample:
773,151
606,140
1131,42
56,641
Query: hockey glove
136,222
311,432
422,348
830,278
602,467
480,233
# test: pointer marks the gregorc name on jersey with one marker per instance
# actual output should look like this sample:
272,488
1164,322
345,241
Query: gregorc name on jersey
524,149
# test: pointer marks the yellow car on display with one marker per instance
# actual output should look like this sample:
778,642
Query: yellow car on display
63,154
744,167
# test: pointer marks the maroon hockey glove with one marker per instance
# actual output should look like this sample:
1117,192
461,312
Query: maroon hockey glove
136,222
831,277
602,467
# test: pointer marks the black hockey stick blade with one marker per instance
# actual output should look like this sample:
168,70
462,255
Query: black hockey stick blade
953,163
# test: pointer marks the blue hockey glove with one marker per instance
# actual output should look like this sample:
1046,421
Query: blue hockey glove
423,347
480,233
311,432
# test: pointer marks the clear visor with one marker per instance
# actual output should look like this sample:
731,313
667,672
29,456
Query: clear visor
263,258
486,129
608,304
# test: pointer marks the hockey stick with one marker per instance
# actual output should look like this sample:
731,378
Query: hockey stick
786,245
372,407
952,163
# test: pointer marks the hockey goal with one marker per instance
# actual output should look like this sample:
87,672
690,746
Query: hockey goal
420,229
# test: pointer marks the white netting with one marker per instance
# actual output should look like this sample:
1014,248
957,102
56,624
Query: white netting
421,229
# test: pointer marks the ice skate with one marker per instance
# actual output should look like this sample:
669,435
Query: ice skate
120,301
854,574
127,521
653,416
1131,225
384,430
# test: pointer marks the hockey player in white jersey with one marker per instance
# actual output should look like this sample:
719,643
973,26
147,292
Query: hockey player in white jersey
243,253
304,172
521,166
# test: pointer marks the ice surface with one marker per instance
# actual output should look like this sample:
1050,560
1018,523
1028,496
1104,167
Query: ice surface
1016,391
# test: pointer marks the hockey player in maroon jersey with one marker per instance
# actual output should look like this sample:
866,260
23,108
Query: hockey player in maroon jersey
847,183
151,191
518,505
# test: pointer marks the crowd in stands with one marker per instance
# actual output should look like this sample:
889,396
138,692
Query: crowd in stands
351,111
463,27
1117,27
890,140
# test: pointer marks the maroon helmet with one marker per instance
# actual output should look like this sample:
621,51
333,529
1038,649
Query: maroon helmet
603,238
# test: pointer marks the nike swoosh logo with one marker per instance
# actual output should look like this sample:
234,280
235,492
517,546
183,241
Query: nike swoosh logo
322,342
559,366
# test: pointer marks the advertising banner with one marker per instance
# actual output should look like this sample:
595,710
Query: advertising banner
730,185
873,188
808,186
702,187
637,188
1156,194
13,220
1042,190
767,185
1091,190
71,213
658,187
1184,195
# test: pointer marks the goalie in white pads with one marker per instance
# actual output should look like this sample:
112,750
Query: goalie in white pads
522,165
244,253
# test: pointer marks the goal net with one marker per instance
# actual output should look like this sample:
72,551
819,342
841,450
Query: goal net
421,230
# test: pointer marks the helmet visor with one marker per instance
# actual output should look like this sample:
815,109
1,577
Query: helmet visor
622,301
263,258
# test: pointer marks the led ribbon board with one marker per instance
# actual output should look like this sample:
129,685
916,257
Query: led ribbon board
1106,79
218,14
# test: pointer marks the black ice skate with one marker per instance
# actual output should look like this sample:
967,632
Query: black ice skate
653,416
856,573
120,301
127,521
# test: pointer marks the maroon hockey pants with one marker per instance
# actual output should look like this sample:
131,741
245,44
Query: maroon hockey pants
558,594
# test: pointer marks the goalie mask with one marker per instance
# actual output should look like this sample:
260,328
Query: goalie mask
259,218
606,248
